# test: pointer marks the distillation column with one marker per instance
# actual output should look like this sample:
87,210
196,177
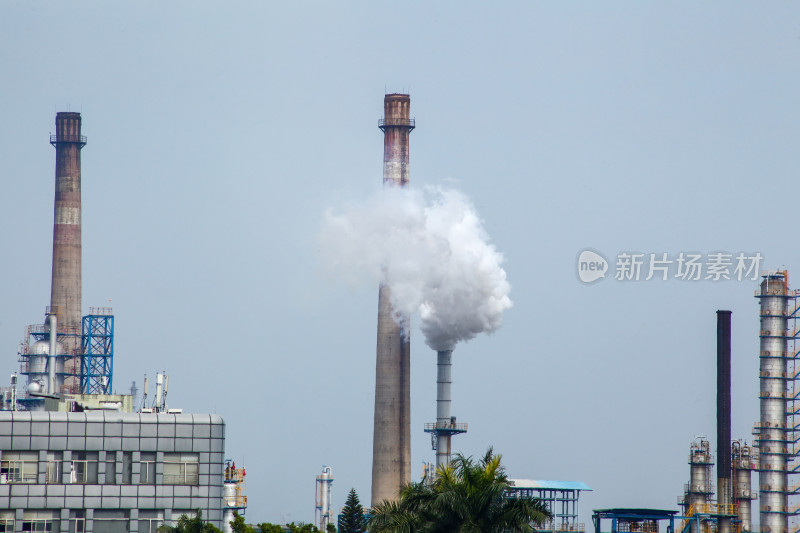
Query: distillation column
772,476
699,490
391,444
65,291
742,464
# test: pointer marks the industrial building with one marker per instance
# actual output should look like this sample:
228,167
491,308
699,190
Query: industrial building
74,457
561,498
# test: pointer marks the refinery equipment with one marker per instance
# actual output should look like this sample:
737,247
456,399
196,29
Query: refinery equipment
742,465
68,354
698,492
445,426
391,444
323,513
633,520
776,432
233,498
725,509
560,497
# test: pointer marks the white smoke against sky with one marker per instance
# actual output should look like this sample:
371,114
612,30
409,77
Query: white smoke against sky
430,248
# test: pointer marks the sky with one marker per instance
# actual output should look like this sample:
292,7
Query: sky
219,134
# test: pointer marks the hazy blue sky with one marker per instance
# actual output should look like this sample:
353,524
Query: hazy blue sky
220,132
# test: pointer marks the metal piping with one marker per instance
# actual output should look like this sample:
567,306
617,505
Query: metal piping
724,523
391,444
52,321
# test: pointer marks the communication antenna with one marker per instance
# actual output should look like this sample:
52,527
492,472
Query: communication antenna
144,397
166,388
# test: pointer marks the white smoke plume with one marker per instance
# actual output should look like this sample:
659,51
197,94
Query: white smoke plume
431,249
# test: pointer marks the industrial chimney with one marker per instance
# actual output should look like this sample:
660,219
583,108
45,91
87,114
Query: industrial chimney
391,438
724,488
65,292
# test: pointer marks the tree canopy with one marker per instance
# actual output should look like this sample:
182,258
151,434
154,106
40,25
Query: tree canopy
467,496
353,519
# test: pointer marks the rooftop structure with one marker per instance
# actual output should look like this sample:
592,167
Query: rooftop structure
561,498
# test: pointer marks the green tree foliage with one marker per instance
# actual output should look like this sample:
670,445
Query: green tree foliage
302,528
266,527
190,525
466,497
353,520
331,527
238,524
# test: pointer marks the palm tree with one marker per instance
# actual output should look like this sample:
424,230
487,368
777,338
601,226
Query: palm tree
466,497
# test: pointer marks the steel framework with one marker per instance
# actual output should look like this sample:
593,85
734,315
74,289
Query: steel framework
97,363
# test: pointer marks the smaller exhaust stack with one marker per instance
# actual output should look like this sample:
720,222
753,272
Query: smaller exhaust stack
445,427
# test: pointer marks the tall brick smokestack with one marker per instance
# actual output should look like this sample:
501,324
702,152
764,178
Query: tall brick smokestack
391,438
724,485
65,291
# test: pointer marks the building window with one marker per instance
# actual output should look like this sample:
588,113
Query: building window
19,467
77,521
181,468
53,473
110,521
147,468
84,467
111,468
40,521
127,467
150,520
6,521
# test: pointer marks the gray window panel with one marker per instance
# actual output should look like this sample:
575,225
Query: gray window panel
148,444
76,443
92,501
183,445
18,502
40,428
149,430
201,445
58,429
127,502
94,429
130,443
183,430
55,490
5,442
112,443
36,490
39,442
111,502
218,431
201,431
5,427
21,443
166,430
130,429
110,526
112,429
217,445
94,443
36,502
110,490
19,490
147,501
73,502
91,490
21,428
76,428
55,502
166,444
74,490
184,502
56,442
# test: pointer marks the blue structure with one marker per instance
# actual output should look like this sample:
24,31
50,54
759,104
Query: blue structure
633,520
561,498
97,362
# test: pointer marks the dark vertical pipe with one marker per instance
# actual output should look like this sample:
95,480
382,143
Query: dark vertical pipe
724,496
391,437
65,290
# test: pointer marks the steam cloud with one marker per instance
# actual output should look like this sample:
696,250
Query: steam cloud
431,249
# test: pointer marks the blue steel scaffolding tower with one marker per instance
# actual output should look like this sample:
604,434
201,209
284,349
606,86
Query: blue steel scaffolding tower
97,363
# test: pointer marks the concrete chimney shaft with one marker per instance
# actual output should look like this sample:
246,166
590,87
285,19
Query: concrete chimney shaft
391,444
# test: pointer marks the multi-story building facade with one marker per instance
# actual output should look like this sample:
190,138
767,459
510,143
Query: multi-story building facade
108,471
